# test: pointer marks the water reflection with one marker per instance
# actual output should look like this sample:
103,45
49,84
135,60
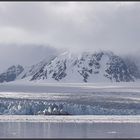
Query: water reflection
68,130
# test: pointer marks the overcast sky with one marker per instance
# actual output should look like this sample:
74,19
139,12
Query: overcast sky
74,26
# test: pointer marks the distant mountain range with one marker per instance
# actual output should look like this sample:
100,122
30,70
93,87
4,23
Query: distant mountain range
103,66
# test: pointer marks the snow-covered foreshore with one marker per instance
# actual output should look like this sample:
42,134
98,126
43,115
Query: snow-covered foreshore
72,119
41,87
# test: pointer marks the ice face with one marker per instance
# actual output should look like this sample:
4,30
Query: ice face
42,107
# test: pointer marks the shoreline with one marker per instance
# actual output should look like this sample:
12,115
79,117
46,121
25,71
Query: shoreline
72,118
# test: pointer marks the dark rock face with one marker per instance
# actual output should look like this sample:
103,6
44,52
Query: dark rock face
38,74
91,64
118,70
34,70
133,69
59,73
11,73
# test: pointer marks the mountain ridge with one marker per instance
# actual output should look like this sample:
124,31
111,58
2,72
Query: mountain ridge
83,67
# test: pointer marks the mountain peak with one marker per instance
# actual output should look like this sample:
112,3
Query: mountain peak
83,67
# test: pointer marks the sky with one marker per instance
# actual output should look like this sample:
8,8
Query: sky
75,26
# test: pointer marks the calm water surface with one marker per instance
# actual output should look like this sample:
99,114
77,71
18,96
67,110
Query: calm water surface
68,130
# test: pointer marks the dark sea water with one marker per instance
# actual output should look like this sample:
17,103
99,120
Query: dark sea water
68,130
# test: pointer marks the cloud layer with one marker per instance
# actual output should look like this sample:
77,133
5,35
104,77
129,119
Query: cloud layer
73,25
76,26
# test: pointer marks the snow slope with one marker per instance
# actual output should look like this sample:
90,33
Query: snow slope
85,67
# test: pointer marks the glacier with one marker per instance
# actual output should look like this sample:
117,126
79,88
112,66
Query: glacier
69,99
32,107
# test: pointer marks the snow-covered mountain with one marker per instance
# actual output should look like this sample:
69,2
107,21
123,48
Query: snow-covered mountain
86,67
11,73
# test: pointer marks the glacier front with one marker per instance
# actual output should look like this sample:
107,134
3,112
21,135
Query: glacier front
69,99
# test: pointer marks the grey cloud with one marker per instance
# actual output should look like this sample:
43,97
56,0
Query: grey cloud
76,26
24,55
